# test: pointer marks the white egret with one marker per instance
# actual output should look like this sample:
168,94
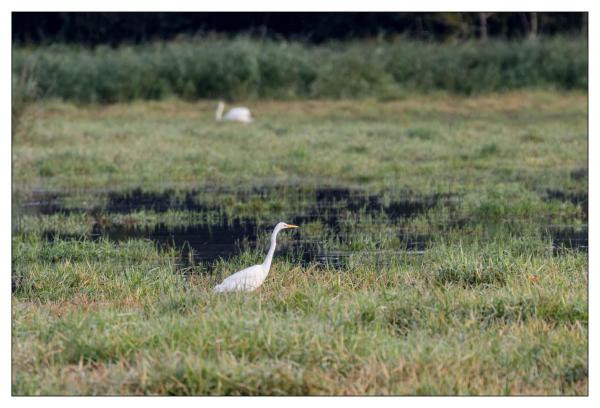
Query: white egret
251,278
238,114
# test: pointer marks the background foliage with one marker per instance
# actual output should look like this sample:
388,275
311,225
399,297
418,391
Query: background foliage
245,68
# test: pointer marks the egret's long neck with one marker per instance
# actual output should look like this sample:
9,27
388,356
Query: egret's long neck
269,258
219,112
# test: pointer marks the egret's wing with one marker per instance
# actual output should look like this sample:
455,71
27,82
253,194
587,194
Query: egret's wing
246,279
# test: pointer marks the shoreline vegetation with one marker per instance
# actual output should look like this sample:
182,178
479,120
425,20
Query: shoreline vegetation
247,68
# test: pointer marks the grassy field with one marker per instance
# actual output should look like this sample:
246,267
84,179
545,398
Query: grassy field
522,141
489,307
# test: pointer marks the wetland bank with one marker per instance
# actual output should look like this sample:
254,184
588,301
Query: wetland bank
442,248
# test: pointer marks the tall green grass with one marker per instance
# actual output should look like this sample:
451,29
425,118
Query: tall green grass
248,68
107,318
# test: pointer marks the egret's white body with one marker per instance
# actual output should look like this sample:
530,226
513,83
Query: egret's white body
251,278
239,114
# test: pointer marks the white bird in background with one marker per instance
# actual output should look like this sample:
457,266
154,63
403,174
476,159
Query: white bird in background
251,278
239,114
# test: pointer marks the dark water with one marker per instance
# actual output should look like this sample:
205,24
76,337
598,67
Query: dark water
226,237
204,244
568,237
340,199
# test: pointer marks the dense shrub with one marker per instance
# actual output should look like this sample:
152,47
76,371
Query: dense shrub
246,68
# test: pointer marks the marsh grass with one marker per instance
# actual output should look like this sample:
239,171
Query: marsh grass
488,307
105,324
102,317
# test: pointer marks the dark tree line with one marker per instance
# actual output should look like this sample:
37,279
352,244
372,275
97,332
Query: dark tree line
135,27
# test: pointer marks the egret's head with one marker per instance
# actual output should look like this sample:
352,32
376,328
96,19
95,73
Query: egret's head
283,225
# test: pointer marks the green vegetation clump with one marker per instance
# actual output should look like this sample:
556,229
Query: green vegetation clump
245,68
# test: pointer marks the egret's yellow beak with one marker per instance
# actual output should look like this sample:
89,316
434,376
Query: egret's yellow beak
291,226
